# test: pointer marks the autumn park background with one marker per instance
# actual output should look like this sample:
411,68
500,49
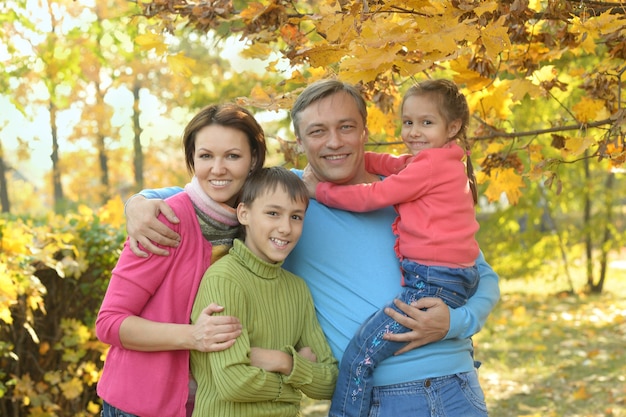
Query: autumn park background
94,95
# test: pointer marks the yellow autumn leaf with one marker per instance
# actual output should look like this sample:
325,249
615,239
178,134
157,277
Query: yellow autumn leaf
112,212
334,26
534,152
16,239
322,56
150,41
520,88
577,145
495,39
492,102
379,122
252,11
545,73
505,181
485,7
93,408
8,295
465,76
181,64
590,109
71,389
256,50
259,95
581,393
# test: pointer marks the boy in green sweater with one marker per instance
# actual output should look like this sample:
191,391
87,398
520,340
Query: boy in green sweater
275,307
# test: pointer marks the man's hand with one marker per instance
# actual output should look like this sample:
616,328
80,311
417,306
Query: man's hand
144,228
428,318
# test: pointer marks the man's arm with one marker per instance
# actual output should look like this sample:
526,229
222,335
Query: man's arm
439,321
142,226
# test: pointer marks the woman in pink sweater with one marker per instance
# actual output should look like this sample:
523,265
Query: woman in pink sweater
434,194
145,314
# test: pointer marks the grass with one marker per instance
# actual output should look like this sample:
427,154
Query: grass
550,353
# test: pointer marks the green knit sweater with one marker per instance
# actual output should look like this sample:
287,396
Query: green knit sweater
276,310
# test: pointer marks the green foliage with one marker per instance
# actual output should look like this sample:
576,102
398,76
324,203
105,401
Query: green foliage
53,274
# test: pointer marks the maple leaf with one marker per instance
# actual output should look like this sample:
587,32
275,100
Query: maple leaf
471,79
150,41
505,181
577,145
257,50
72,388
495,38
181,65
520,88
589,109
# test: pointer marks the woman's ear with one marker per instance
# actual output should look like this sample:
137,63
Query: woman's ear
242,214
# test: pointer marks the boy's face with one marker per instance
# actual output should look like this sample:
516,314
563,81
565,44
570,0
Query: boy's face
273,224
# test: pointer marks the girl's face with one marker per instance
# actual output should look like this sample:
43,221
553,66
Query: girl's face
222,161
423,125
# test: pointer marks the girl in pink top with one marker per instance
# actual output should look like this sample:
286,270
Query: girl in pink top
434,194
145,314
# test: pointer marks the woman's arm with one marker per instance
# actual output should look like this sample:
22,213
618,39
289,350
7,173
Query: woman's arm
209,334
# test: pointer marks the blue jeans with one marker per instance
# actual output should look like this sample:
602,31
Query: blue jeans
367,348
109,411
457,395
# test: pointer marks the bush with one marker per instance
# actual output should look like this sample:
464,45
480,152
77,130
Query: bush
53,275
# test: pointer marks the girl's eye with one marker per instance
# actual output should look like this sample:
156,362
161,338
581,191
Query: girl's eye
296,217
234,156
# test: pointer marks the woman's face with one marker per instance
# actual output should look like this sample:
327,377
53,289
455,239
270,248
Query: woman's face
222,161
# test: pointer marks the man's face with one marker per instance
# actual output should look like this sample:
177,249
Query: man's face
333,136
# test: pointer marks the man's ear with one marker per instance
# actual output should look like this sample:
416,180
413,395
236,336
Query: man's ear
242,214
454,127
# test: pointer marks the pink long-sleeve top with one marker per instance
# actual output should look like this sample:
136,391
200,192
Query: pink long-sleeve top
159,288
436,223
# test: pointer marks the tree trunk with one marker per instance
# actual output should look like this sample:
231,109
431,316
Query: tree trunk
597,287
587,222
138,158
59,200
4,191
103,159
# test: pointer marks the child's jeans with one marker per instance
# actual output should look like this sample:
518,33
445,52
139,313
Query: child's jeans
109,411
367,348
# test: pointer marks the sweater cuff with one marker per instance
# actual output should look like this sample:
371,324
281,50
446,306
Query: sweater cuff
302,372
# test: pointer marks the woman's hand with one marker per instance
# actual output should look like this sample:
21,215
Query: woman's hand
214,333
